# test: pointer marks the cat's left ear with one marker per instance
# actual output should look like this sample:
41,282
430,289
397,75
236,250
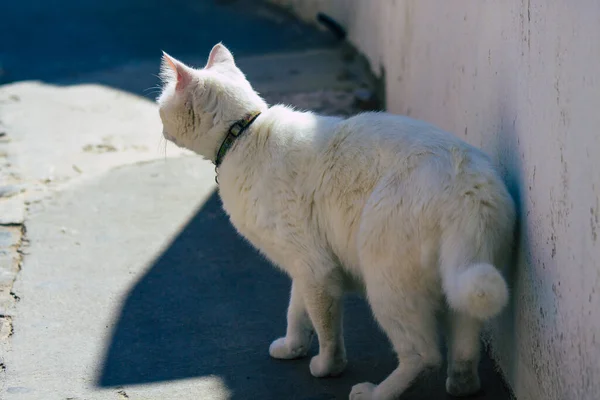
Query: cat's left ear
176,69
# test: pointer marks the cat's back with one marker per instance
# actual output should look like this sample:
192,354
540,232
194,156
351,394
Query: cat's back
379,141
397,133
402,160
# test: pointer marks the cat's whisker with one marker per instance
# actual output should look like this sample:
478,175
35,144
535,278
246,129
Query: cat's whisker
153,88
160,144
159,77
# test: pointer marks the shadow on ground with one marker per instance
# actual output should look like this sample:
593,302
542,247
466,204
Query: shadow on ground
210,306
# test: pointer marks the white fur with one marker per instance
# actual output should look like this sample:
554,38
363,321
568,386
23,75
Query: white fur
479,290
410,215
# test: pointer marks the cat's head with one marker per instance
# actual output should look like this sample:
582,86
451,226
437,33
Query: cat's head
197,106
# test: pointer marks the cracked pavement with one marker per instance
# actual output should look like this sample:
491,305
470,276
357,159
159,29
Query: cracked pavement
120,276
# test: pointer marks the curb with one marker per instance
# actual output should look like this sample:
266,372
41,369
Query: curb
12,238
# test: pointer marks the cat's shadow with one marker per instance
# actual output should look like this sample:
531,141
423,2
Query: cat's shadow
210,306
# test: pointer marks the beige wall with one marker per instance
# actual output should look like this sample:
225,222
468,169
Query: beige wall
520,79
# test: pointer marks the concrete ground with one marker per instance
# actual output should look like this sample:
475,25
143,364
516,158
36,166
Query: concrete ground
120,276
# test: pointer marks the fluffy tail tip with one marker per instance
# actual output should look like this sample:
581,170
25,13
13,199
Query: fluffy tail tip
481,291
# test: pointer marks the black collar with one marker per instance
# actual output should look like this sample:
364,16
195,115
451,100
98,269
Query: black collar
235,131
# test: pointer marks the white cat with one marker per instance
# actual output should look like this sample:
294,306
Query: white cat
412,216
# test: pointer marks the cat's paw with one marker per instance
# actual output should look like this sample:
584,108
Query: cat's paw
462,383
284,349
327,365
363,391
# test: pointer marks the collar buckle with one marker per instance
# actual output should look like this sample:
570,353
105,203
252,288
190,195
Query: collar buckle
235,131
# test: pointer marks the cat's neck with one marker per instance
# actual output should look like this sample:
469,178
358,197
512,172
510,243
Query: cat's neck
280,125
218,133
285,120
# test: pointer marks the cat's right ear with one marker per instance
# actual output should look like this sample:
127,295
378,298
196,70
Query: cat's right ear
220,55
172,69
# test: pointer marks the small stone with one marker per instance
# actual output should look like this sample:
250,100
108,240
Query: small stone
18,390
9,190
365,99
99,148
9,268
12,211
6,328
9,236
363,94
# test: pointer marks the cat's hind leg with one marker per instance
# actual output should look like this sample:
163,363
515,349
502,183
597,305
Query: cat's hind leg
463,354
298,337
409,321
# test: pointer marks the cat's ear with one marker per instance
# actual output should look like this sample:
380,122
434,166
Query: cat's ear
173,69
219,55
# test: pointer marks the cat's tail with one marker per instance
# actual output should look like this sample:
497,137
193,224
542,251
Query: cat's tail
475,242
478,290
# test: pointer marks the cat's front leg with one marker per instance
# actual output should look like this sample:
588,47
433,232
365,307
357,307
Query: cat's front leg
325,310
298,337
